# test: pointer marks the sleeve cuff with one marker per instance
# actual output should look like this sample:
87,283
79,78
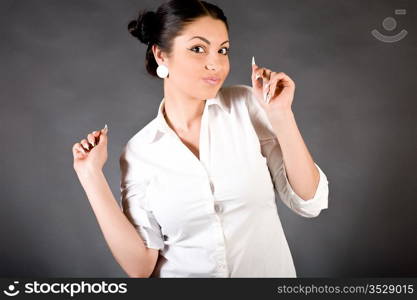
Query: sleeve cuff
148,230
134,207
312,207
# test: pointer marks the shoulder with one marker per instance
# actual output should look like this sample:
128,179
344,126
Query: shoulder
139,140
143,134
236,96
236,92
243,94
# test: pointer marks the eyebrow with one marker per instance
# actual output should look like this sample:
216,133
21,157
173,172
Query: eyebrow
205,40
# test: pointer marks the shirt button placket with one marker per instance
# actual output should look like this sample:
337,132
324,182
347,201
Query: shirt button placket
217,207
220,252
212,187
221,255
220,248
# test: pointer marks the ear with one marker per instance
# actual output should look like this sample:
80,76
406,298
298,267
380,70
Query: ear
159,55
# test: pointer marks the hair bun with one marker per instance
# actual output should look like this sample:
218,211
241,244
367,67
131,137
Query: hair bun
143,27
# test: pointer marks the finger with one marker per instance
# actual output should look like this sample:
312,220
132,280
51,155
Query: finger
96,135
258,71
79,153
286,80
91,139
262,73
78,149
275,77
266,76
75,150
105,130
254,68
74,147
102,135
255,75
266,79
258,78
278,80
85,144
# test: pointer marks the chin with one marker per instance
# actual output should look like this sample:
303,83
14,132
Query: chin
213,93
209,91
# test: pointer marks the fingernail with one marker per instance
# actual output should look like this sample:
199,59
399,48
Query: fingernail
253,60
106,128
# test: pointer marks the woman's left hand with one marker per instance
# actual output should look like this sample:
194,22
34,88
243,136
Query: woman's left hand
274,91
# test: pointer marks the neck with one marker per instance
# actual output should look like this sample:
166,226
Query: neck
182,111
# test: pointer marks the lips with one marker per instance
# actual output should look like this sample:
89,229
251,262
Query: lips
212,79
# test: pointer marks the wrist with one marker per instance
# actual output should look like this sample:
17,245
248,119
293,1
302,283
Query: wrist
88,172
278,117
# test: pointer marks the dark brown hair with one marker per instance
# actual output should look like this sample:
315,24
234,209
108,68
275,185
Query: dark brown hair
162,26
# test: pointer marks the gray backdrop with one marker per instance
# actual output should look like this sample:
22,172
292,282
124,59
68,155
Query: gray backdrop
69,67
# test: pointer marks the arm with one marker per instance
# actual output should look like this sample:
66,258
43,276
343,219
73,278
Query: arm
271,149
124,241
301,171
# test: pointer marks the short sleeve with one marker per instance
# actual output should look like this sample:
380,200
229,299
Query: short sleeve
307,208
271,150
133,186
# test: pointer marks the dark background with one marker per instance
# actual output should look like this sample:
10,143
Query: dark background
69,67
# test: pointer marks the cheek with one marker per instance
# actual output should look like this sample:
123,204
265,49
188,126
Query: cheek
187,67
226,69
225,66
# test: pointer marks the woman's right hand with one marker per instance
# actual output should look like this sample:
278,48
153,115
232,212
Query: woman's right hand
91,154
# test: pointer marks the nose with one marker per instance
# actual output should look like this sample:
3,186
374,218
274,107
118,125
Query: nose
210,67
214,63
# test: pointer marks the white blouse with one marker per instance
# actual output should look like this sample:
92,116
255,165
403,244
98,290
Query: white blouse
215,216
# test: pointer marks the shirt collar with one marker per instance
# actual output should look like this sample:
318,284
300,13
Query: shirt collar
161,127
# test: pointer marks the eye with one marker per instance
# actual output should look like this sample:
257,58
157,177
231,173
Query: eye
200,47
192,49
227,50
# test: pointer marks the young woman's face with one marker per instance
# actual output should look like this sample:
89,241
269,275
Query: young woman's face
195,58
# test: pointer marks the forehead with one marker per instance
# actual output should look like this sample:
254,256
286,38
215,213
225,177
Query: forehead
212,29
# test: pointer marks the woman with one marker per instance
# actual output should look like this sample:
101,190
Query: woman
198,182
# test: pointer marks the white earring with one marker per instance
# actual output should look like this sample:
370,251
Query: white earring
162,71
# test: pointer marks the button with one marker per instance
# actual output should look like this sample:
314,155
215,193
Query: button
212,186
218,207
